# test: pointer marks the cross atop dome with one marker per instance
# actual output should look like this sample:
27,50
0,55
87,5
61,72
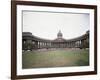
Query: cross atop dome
59,35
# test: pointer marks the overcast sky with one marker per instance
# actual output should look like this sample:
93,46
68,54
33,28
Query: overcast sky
47,24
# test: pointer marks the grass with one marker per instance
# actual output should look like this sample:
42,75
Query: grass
55,58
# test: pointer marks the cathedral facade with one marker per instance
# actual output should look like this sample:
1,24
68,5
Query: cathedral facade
32,42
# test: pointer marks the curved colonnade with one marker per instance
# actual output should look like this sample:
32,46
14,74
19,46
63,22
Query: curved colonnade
31,42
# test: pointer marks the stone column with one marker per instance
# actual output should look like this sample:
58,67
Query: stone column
39,44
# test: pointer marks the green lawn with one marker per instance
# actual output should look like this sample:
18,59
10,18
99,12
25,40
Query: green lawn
55,58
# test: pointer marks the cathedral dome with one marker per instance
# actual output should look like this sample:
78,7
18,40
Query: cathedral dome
59,35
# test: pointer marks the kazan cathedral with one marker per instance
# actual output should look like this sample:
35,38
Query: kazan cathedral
32,42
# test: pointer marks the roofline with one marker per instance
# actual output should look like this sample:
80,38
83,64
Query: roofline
42,39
